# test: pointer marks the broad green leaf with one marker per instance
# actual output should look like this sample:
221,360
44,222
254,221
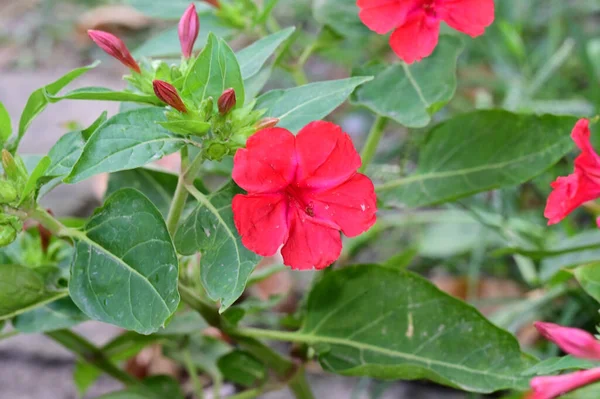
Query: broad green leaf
591,391
298,106
53,316
253,57
242,368
572,251
104,94
421,95
155,387
39,99
341,16
215,70
23,289
555,364
256,83
65,153
5,125
184,323
35,176
511,149
125,268
172,9
589,278
388,323
126,141
158,185
184,127
226,263
166,44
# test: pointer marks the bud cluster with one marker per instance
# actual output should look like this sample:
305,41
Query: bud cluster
11,187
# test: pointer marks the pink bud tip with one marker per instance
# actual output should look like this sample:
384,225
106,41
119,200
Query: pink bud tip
168,94
226,101
114,47
189,26
551,387
574,341
267,123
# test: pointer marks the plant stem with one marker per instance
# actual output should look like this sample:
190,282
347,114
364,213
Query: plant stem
299,76
177,205
53,224
368,151
91,354
281,365
193,372
299,386
206,310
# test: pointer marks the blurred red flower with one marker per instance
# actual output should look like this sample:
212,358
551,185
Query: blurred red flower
302,191
579,187
416,23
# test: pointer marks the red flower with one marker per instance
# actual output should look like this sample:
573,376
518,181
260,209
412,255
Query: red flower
189,26
551,387
416,23
580,187
302,190
114,47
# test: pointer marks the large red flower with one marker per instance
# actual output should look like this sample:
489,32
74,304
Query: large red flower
416,23
579,187
302,191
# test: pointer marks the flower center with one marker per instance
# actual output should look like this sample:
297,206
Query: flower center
299,199
429,7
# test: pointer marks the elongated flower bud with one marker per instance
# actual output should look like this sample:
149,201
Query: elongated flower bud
551,387
189,26
574,341
226,101
114,47
266,123
168,94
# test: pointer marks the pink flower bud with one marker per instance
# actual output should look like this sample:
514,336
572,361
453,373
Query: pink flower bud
553,386
189,26
168,94
574,341
226,101
114,47
266,123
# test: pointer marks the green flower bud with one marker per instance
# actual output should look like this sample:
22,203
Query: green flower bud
7,234
216,151
8,192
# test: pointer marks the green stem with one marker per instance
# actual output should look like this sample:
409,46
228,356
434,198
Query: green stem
281,365
193,372
299,386
8,334
299,76
177,205
368,151
91,354
52,224
206,310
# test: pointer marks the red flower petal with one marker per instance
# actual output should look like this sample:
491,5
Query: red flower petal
261,221
267,164
582,186
554,386
467,16
382,16
574,341
417,38
326,156
351,205
311,243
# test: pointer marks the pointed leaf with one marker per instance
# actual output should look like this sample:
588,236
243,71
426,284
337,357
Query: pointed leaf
589,278
215,70
125,268
226,263
300,105
51,317
253,57
126,141
511,149
421,96
104,94
35,176
5,125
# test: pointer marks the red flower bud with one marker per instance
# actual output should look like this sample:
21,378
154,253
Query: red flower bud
168,94
214,3
189,26
114,47
576,342
226,101
266,123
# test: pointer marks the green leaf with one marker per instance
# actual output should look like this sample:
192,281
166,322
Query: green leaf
253,57
53,316
35,176
242,368
392,324
572,251
5,125
65,153
166,44
511,149
104,94
256,83
125,268
587,392
184,323
589,278
126,141
39,99
421,96
298,106
155,387
204,352
215,70
226,263
23,289
172,9
186,127
341,16
555,364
